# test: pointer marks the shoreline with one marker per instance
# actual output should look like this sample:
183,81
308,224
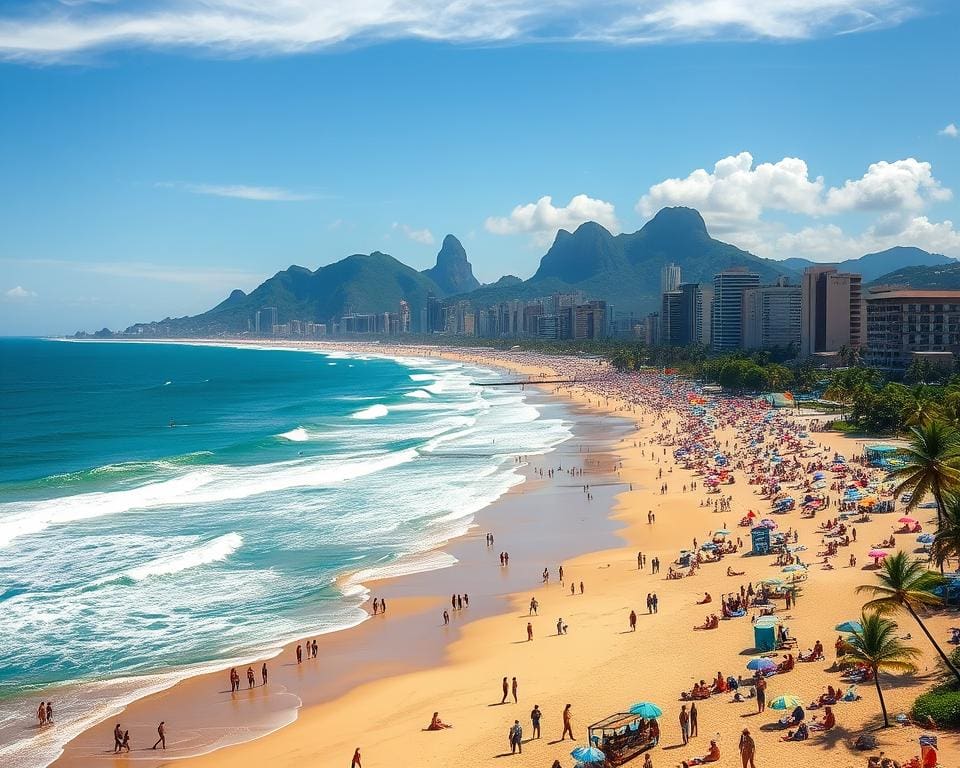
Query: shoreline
601,666
417,594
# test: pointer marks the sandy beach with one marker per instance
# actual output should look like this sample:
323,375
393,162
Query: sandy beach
364,692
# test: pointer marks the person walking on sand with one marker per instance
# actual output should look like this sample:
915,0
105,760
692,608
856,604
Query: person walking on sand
513,690
693,720
684,724
506,691
446,618
747,749
42,713
125,744
761,693
49,713
263,673
633,621
535,715
251,678
355,763
162,733
516,738
567,727
117,738
529,631
299,654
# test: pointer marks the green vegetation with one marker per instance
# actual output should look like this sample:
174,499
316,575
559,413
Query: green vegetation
942,705
876,645
906,584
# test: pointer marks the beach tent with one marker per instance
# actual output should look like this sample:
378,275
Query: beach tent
765,633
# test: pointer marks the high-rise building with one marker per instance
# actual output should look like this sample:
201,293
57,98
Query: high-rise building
671,319
651,335
696,305
771,316
404,319
903,325
669,278
264,321
832,314
727,322
435,315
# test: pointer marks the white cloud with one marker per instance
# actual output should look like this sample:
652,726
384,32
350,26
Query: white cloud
19,293
242,192
423,236
950,130
735,193
904,185
830,243
263,27
734,196
543,219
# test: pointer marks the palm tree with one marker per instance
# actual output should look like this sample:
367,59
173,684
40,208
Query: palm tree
877,646
932,464
946,541
908,585
921,409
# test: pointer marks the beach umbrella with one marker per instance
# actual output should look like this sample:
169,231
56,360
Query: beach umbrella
787,701
793,568
849,626
646,710
759,663
708,546
925,538
772,582
878,554
907,519
819,475
722,532
768,523
588,755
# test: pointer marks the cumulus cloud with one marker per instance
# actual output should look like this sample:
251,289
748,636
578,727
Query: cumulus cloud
19,293
242,192
543,219
423,236
950,130
45,32
736,194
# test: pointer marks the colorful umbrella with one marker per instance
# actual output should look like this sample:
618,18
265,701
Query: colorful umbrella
759,663
787,701
588,755
646,710
878,554
925,538
849,626
907,519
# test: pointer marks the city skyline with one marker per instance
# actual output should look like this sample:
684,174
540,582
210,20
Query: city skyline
148,174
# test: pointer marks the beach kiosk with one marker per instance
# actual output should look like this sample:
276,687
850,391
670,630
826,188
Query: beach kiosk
760,539
621,737
765,633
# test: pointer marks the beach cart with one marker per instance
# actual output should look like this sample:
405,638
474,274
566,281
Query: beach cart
621,737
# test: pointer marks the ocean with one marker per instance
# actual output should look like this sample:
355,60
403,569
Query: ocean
170,508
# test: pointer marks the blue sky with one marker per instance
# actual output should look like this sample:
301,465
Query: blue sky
155,155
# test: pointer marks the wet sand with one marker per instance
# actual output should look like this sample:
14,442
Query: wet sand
202,715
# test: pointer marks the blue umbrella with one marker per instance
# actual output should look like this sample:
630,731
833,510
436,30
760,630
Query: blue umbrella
925,538
646,710
722,532
849,626
709,545
588,755
761,664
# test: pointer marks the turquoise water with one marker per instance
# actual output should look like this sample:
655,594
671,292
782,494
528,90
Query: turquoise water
167,506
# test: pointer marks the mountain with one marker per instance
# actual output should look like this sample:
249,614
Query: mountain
362,283
623,269
942,277
873,265
452,273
